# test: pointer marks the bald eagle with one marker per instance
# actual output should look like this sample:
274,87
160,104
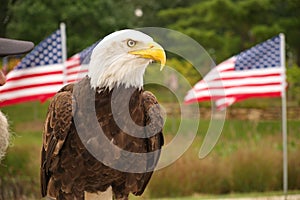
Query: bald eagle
105,131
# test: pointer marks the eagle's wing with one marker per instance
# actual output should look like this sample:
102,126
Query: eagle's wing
154,124
57,124
154,121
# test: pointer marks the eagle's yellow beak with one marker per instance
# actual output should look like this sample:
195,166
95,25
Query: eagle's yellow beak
154,51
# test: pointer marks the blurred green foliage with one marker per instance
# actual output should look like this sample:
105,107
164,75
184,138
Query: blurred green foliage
293,89
223,27
86,21
226,27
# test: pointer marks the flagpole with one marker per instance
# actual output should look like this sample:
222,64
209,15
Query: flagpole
64,50
284,121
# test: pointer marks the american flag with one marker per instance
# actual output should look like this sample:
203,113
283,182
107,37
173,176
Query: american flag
40,74
256,72
77,65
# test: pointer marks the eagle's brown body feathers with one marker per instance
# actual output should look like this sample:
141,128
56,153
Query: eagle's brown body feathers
68,168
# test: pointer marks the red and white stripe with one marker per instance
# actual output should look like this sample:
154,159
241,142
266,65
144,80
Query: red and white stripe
39,83
36,83
75,71
226,85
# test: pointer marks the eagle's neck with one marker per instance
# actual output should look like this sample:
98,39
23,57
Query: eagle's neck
123,71
119,78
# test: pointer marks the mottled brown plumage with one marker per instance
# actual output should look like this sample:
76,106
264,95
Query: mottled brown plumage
73,121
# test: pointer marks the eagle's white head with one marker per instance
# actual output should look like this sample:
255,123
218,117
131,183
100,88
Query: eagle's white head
122,58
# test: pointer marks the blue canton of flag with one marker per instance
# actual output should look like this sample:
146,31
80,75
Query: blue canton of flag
264,55
47,52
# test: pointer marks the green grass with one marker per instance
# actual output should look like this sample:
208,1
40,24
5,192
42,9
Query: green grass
250,149
19,171
226,196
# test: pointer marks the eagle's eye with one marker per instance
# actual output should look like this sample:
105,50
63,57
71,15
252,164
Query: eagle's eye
131,43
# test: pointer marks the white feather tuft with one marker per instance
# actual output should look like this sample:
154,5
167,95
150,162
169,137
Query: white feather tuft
4,135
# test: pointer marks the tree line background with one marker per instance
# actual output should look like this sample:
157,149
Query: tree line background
223,27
